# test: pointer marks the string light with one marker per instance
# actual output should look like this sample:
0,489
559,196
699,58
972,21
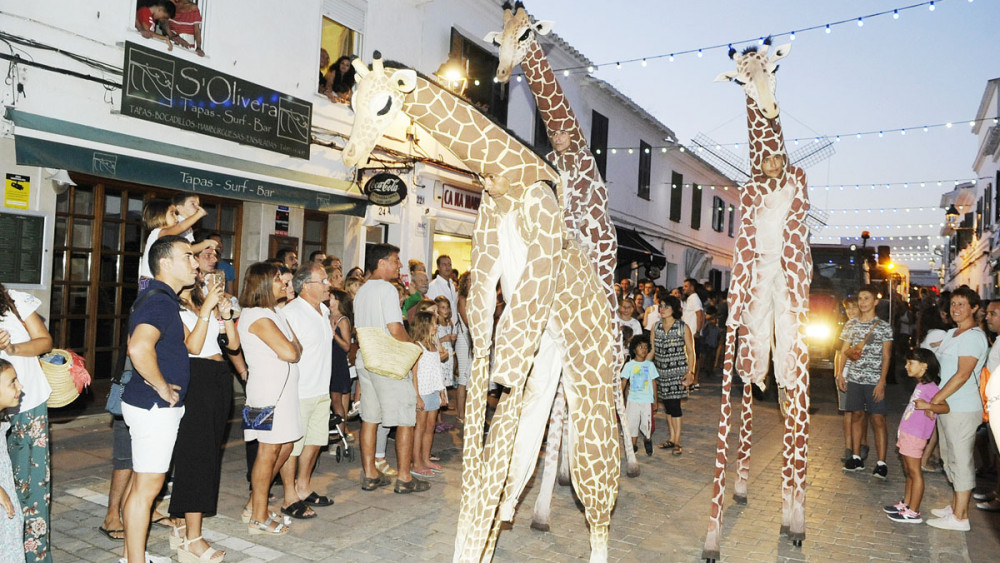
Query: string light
791,34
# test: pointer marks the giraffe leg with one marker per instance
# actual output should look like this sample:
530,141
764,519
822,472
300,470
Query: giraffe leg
787,461
743,457
536,405
631,463
562,472
800,407
553,441
473,466
711,548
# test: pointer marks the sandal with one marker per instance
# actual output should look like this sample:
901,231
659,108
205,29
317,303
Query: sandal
184,554
247,514
299,511
423,473
177,537
667,445
254,527
116,535
678,450
316,500
163,522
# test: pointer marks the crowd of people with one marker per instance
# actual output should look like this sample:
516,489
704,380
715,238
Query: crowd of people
175,22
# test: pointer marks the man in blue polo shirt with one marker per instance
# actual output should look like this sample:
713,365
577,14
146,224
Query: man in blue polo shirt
153,403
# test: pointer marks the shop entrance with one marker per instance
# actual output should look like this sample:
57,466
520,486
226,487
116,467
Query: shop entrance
456,247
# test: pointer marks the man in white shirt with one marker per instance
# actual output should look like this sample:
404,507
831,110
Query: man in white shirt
442,285
693,316
309,319
992,399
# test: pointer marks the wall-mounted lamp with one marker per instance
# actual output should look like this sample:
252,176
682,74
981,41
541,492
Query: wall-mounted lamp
454,74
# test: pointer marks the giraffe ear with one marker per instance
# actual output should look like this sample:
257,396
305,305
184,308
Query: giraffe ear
491,38
543,27
727,76
781,51
359,67
404,80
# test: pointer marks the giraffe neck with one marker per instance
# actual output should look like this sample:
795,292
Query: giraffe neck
482,145
549,97
766,138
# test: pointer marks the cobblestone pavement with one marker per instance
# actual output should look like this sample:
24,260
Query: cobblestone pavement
661,515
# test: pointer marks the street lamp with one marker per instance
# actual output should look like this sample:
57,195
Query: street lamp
454,73
951,216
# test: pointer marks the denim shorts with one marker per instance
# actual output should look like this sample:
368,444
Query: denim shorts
121,446
432,401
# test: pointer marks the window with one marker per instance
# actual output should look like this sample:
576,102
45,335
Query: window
342,21
486,94
541,134
599,141
979,219
988,205
676,196
718,214
314,234
645,165
187,28
696,193
732,220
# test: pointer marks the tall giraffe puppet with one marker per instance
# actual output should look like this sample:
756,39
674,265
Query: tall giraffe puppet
768,298
553,304
585,203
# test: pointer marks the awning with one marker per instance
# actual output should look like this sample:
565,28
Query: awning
633,248
51,143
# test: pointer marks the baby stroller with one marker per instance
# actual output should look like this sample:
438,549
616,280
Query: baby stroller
339,447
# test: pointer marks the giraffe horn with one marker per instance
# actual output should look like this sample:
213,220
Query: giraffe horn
377,62
732,52
359,67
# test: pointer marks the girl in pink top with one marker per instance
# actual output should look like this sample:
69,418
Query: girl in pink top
915,428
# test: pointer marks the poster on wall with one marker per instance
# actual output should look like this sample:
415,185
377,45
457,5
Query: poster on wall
281,221
22,249
17,191
164,89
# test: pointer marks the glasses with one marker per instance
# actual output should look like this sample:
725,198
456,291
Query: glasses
323,281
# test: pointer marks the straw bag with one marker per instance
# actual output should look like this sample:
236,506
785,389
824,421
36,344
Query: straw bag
60,377
384,355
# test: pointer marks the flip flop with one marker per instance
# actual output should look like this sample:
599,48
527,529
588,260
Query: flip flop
298,510
667,445
109,533
434,458
163,522
678,450
315,500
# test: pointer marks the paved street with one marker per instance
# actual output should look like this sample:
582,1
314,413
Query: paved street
660,515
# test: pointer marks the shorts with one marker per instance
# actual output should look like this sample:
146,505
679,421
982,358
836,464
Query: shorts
860,397
638,416
387,401
672,407
153,432
121,446
432,401
910,445
315,415
957,436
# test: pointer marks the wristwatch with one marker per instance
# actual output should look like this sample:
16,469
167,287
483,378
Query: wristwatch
206,319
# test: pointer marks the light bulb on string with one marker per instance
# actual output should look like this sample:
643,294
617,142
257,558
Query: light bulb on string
671,59
791,37
931,6
565,73
618,66
643,63
861,22
902,131
699,53
828,29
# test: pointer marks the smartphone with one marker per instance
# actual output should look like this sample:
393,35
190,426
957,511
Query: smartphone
217,279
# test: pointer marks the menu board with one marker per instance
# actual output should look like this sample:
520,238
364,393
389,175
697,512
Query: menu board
22,248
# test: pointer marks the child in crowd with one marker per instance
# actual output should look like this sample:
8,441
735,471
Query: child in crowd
153,21
447,334
626,318
429,384
711,335
641,393
160,218
914,430
11,516
852,311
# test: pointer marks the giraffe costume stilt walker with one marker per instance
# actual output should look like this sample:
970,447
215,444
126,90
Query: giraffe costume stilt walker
585,203
553,304
768,297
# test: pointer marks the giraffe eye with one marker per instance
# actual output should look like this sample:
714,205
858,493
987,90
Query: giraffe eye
495,42
740,82
380,104
385,109
524,36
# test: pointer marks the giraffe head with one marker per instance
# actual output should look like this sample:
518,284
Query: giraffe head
755,70
376,103
513,41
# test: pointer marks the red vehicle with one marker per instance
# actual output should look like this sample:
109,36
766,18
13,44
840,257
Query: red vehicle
838,271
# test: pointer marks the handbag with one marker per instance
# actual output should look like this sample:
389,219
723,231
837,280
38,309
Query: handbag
59,376
853,353
384,355
123,367
262,418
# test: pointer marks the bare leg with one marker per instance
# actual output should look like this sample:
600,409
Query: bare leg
419,457
428,437
136,510
857,431
369,430
929,449
193,522
119,486
914,483
303,477
960,504
340,409
847,430
404,452
460,399
881,437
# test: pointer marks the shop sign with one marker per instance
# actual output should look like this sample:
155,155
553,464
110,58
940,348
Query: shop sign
170,91
385,189
281,221
460,200
17,191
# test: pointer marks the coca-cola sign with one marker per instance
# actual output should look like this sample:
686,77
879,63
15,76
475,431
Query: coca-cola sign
385,189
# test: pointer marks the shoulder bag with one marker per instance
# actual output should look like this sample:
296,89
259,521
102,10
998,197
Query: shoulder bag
123,367
853,353
262,418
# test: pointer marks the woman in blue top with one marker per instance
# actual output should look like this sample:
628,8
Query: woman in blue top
961,354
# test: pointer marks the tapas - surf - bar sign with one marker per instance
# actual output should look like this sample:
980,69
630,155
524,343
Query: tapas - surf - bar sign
164,89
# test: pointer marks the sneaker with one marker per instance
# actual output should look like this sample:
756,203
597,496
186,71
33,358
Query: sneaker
412,486
635,448
647,444
894,508
847,455
942,512
949,522
990,506
983,496
149,559
906,517
864,453
355,410
854,464
383,466
881,470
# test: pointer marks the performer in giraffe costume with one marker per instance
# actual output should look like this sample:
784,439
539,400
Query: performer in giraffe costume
585,203
768,297
553,304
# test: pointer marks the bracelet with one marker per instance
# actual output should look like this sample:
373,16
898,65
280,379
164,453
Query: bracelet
235,352
229,318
